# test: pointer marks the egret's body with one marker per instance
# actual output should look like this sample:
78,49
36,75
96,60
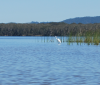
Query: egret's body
58,39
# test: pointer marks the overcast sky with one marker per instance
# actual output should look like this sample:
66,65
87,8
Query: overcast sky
23,11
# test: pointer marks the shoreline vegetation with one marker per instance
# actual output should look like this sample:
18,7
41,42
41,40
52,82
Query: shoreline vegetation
87,33
95,40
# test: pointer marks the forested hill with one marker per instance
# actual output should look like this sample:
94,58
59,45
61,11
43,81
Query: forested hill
49,29
83,20
53,28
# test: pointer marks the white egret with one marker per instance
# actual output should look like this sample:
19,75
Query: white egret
58,39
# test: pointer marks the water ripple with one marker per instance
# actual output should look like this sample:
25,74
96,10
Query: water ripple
27,62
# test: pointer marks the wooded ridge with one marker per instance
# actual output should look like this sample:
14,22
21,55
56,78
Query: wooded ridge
48,29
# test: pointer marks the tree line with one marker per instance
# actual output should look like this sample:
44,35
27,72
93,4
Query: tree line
48,29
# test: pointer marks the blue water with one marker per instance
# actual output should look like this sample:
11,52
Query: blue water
38,61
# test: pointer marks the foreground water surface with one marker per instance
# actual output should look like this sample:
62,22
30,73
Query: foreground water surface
39,61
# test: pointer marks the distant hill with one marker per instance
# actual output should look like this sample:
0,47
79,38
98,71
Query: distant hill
83,20
35,22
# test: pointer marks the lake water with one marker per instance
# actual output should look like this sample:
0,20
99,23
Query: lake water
38,61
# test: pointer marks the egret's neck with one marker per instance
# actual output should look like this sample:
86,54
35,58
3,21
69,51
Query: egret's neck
55,37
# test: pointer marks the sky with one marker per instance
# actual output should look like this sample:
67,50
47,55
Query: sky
25,11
